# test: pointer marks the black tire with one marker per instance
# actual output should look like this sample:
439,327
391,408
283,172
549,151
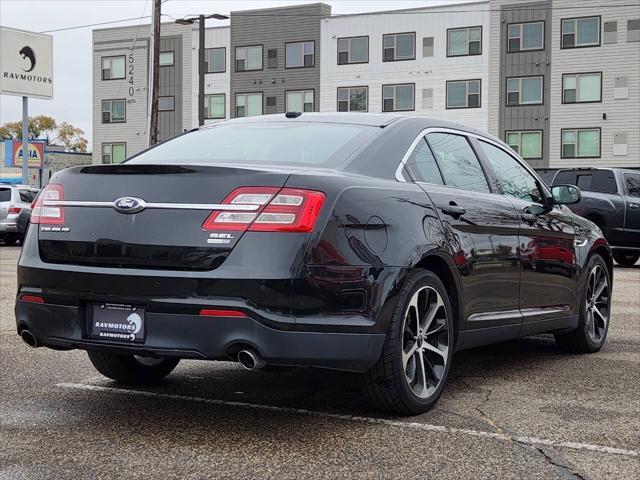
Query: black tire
626,258
11,239
579,340
385,385
128,369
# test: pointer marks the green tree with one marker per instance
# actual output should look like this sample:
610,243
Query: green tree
46,128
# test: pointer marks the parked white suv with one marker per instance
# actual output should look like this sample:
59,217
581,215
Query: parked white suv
15,209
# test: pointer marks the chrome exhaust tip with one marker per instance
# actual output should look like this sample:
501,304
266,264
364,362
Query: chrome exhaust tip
250,359
29,338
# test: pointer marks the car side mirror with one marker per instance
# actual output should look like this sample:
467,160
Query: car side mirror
565,194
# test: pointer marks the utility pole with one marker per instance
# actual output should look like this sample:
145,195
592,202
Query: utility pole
155,87
25,140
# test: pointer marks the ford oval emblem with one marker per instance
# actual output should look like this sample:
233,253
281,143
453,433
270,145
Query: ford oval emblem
129,205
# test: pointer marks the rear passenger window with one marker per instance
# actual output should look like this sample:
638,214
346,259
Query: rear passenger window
584,182
460,166
423,166
565,177
513,179
5,194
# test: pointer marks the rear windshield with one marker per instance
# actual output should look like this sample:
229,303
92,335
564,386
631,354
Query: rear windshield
272,143
27,196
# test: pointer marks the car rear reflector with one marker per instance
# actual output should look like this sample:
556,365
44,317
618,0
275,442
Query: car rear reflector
46,214
285,210
207,312
32,299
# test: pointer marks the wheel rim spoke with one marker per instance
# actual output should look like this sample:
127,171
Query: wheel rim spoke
597,308
425,342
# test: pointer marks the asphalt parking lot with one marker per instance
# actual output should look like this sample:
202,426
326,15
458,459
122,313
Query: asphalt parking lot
515,410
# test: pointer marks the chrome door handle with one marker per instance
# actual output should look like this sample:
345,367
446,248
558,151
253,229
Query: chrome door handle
634,205
453,210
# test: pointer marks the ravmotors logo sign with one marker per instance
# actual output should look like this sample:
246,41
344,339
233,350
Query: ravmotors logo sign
26,63
27,53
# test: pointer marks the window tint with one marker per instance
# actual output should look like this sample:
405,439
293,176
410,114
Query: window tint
566,177
632,184
513,179
460,166
584,182
5,194
27,196
423,166
604,181
256,143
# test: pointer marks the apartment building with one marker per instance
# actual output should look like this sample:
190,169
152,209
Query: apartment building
121,87
427,61
557,80
566,80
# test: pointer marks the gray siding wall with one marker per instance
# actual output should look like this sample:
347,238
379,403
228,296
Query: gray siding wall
523,64
287,24
170,122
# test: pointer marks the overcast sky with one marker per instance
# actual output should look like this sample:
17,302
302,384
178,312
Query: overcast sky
72,48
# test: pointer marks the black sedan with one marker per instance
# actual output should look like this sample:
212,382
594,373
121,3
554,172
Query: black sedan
378,244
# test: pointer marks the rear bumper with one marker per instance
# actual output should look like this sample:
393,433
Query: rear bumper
8,227
207,338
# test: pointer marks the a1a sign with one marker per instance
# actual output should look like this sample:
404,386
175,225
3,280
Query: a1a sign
36,154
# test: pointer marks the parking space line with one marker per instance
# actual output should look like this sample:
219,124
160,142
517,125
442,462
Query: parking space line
381,421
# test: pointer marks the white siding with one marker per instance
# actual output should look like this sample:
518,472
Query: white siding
213,82
424,72
616,59
132,40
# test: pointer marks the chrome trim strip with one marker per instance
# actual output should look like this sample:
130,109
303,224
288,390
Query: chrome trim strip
400,177
166,206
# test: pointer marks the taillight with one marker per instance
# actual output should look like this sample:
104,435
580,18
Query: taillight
13,210
285,210
48,214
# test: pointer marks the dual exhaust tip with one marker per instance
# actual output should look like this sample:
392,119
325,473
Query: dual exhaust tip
250,359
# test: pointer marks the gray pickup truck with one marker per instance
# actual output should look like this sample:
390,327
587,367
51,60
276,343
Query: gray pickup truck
610,199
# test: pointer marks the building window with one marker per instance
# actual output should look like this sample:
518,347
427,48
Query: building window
399,46
621,88
113,68
166,104
166,59
300,101
272,58
113,111
463,94
353,50
114,152
582,88
528,144
633,30
581,143
580,32
249,58
464,41
299,54
427,98
248,104
215,106
427,46
215,60
610,34
398,98
525,36
353,99
524,91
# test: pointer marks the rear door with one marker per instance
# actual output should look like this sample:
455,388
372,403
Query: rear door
548,284
482,230
632,217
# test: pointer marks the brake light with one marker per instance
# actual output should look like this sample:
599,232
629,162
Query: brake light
14,210
285,210
48,214
32,299
208,312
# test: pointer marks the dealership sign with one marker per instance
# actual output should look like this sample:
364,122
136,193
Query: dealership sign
26,63
13,153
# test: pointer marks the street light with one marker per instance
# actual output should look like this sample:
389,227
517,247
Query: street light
201,64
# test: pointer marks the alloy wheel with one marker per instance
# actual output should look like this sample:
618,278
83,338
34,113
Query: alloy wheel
425,343
597,304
